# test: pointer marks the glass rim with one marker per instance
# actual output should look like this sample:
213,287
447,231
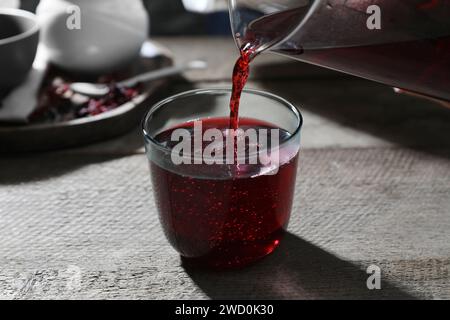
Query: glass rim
194,92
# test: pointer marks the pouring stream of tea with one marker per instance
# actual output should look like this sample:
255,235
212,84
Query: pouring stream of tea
260,35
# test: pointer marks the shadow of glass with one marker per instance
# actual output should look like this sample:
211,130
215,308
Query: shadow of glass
296,270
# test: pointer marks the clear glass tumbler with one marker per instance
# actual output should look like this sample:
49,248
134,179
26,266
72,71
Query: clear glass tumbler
224,198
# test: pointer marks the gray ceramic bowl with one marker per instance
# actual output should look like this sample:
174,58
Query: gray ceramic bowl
19,37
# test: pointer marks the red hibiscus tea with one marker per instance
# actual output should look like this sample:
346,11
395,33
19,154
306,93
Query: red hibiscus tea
227,221
223,214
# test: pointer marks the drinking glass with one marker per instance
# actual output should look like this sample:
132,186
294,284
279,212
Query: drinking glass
231,213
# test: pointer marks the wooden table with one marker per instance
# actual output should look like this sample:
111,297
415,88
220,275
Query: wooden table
373,189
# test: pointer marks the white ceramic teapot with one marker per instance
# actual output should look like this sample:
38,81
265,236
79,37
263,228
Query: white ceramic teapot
92,36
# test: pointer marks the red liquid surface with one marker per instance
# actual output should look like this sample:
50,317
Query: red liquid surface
223,223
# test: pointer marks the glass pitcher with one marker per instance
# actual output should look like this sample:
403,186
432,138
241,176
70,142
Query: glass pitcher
401,43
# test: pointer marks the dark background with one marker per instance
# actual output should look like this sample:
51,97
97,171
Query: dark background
169,18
